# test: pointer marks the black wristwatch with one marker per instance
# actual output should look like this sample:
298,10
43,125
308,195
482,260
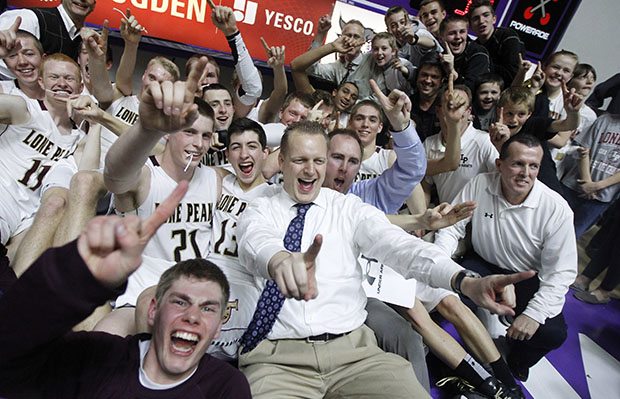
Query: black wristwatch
459,279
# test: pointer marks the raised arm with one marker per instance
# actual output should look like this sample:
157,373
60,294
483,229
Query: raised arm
62,287
390,190
165,108
565,127
322,27
96,46
8,39
251,86
453,111
307,59
270,107
131,32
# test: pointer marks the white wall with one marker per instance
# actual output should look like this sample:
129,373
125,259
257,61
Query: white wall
593,35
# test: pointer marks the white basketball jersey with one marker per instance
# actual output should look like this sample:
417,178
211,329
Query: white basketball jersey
243,292
187,232
233,201
124,109
375,165
27,153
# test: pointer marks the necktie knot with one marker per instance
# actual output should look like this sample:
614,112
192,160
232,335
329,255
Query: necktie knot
303,208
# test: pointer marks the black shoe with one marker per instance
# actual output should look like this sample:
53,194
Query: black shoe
520,373
516,392
493,388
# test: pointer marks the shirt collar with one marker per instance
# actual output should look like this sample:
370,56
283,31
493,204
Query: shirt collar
66,19
288,202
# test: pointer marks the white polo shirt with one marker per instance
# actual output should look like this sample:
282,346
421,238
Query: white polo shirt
537,234
478,155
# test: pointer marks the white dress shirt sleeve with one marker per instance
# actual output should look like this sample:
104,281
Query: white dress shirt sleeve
407,255
558,268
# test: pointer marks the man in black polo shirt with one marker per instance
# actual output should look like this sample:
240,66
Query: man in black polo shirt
464,58
502,44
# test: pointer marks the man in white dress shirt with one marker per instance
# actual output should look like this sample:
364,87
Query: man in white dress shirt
318,344
521,224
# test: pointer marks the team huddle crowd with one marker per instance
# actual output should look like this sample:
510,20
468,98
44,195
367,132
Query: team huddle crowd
205,239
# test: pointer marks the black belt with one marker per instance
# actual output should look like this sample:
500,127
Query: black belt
324,337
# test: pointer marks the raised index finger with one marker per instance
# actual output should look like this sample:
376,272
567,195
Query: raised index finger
128,13
380,96
193,78
15,27
104,32
164,210
312,252
500,115
265,45
451,83
211,5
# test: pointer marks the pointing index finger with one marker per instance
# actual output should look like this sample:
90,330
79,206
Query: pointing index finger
265,45
312,252
451,83
164,210
128,13
380,96
104,32
15,27
211,5
500,115
317,105
193,78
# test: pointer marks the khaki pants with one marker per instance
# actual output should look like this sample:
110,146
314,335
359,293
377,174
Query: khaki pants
351,366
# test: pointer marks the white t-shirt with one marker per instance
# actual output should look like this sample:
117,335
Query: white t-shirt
478,155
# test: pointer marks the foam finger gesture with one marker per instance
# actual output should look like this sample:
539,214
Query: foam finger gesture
8,38
97,43
112,246
223,18
325,24
309,258
131,30
397,106
169,107
447,59
315,114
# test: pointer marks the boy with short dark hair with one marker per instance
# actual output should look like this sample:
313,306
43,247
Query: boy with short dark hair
488,88
515,107
502,43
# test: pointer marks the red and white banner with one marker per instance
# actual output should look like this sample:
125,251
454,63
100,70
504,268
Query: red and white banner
281,22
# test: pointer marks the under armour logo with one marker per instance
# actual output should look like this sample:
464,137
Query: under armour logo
488,215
